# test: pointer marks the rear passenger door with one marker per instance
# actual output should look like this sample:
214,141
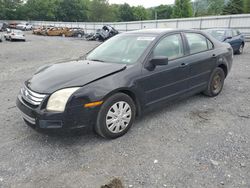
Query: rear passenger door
201,60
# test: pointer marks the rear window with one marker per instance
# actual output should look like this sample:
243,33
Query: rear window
218,34
235,33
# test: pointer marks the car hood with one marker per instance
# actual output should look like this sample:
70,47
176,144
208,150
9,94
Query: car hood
51,78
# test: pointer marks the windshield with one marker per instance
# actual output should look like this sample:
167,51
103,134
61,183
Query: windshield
122,49
218,34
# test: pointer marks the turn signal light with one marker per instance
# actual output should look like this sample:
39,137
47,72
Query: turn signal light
93,104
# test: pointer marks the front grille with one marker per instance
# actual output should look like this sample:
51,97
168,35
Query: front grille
32,97
28,118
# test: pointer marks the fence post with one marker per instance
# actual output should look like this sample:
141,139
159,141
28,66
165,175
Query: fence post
201,24
229,23
177,24
126,26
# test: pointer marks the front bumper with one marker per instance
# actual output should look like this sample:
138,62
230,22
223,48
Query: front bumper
73,117
18,37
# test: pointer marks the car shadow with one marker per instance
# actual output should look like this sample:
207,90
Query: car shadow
89,133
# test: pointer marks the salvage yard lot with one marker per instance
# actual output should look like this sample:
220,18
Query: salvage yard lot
196,142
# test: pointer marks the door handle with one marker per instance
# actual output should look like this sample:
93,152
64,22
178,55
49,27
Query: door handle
214,55
183,65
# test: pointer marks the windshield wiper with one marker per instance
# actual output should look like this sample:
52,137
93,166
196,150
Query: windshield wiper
96,60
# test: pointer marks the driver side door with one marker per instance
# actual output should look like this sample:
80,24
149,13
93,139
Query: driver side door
166,82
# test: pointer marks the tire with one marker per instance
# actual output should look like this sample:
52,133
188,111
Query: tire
216,82
241,49
113,123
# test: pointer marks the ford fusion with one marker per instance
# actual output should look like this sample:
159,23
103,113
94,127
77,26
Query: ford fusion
124,77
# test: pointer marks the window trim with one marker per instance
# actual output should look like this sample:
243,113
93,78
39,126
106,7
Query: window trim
188,46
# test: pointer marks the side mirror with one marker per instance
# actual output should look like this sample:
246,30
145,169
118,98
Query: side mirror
157,61
228,38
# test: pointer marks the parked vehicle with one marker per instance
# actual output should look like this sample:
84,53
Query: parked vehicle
102,34
24,27
12,25
57,31
74,32
125,76
13,34
3,26
231,36
42,30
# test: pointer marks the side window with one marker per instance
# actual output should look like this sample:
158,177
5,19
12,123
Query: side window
229,33
235,33
198,43
171,47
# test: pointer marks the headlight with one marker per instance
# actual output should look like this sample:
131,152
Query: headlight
58,100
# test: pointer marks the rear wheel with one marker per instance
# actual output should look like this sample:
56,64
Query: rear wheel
116,116
216,82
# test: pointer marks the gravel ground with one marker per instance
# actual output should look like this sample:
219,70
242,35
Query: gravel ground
197,142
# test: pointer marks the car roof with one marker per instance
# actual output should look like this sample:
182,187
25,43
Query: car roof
215,29
159,31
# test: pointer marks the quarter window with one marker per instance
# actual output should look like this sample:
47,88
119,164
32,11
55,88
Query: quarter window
198,43
171,47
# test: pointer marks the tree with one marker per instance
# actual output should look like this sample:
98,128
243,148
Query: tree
9,8
208,7
233,7
215,7
164,11
126,13
73,10
140,13
39,10
182,9
246,5
100,11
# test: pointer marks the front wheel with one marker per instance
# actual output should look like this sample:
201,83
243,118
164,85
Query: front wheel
116,116
241,49
216,83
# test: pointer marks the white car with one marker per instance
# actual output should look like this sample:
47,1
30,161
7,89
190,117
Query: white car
14,34
24,26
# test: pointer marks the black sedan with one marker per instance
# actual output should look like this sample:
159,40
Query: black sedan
124,77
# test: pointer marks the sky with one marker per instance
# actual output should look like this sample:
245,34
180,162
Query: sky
145,3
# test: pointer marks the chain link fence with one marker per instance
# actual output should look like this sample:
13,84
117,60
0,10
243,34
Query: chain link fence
240,22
